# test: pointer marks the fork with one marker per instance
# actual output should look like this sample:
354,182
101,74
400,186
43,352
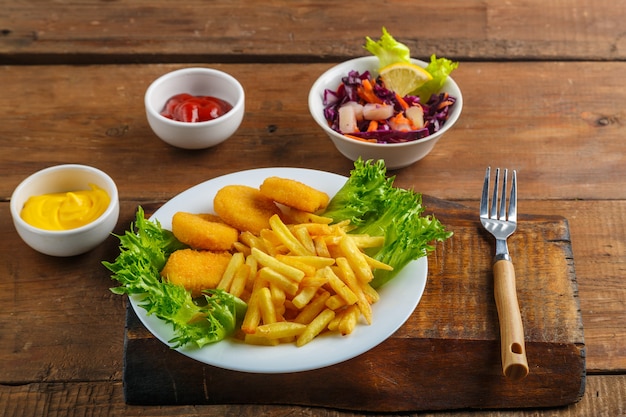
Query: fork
502,225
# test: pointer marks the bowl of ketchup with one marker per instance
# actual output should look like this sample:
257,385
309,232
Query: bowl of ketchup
195,108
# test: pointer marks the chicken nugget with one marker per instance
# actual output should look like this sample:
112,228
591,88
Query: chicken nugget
200,232
244,208
195,270
294,194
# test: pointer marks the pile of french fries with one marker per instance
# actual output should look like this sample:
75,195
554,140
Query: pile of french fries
302,279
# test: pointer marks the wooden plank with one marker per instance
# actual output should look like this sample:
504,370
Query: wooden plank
564,138
605,396
287,31
448,347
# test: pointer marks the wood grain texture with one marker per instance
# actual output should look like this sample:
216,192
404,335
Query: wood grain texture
106,398
305,31
447,354
98,119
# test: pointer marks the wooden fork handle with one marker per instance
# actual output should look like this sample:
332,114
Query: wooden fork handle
514,362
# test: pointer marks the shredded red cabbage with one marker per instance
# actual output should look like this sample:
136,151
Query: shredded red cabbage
436,110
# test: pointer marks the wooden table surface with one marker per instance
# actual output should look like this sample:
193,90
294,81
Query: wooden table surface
544,93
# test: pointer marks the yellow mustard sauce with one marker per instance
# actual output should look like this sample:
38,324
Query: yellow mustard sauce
64,211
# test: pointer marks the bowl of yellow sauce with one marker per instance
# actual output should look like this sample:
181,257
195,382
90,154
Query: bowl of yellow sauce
65,210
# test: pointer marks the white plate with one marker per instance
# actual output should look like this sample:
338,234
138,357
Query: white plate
398,298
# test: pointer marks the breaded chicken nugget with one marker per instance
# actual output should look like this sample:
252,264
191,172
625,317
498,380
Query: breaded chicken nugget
211,217
294,194
195,270
200,232
244,208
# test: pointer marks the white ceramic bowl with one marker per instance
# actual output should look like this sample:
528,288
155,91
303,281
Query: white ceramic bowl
58,179
195,81
396,155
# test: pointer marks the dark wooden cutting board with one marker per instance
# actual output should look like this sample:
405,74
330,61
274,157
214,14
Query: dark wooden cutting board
446,356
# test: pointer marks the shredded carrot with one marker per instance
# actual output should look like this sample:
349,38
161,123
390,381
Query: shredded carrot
373,126
399,120
366,92
444,104
403,103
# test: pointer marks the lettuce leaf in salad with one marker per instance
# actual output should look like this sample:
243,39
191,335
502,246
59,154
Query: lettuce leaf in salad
144,250
387,49
440,69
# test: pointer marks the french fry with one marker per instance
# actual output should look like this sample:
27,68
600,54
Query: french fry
253,314
272,244
251,240
356,259
280,330
303,217
286,237
315,229
229,274
278,298
339,286
315,327
335,302
242,247
367,241
282,268
315,281
376,264
254,266
333,325
240,280
349,319
316,262
303,297
371,294
321,248
303,236
347,274
311,310
255,339
275,277
297,263
266,306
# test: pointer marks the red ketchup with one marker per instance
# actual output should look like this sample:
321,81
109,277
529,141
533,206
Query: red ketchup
187,108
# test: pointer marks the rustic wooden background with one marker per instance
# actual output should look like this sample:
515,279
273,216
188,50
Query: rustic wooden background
544,93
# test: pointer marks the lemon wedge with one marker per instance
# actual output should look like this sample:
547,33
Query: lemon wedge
404,78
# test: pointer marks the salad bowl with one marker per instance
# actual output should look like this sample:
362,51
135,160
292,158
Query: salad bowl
395,155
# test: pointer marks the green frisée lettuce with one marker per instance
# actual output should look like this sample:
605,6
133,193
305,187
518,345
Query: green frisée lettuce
389,51
375,207
144,250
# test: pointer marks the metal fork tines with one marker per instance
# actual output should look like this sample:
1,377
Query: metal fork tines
501,225
495,220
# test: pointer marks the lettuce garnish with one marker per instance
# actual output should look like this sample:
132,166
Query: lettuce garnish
390,51
440,69
144,250
375,207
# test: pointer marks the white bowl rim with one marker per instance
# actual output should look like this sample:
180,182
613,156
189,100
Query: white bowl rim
113,203
317,86
195,70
